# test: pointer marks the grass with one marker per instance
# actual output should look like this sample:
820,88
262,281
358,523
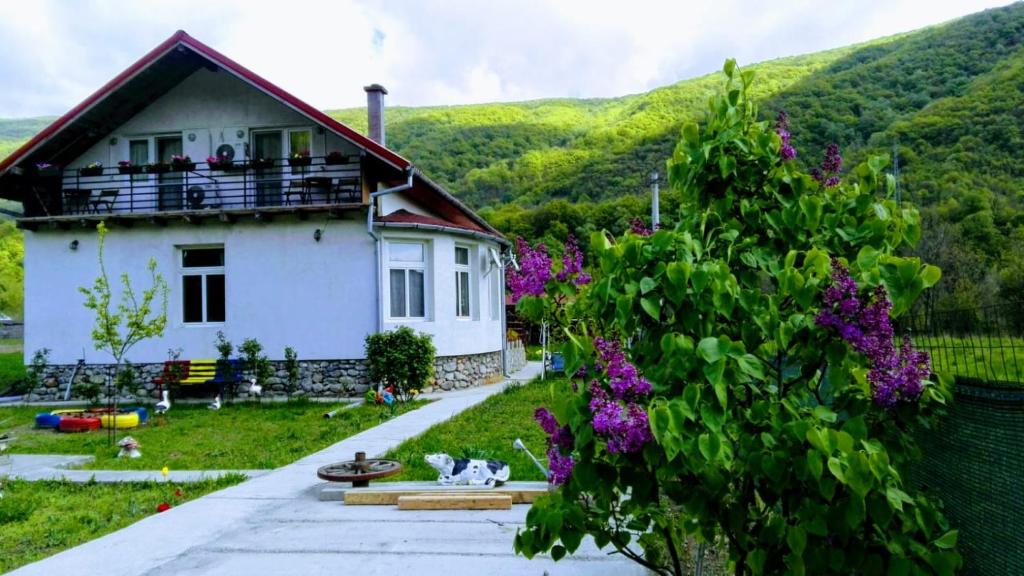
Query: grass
191,437
984,357
485,431
39,519
12,371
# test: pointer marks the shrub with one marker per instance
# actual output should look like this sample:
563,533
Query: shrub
36,370
256,362
291,367
401,359
740,375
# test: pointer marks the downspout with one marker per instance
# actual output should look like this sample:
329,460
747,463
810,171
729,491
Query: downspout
504,320
409,172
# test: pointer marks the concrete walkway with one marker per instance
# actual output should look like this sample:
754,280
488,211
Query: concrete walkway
275,524
56,467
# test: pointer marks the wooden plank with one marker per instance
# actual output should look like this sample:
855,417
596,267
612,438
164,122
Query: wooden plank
387,494
455,501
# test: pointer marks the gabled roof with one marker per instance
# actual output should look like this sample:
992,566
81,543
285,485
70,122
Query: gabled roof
173,49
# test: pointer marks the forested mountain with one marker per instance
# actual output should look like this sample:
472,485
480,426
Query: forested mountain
951,96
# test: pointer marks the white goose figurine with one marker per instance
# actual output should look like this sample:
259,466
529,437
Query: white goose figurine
215,405
164,405
254,388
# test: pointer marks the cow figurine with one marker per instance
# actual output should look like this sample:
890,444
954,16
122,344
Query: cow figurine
463,471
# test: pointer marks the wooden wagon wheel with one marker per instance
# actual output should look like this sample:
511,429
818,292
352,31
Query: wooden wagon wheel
359,471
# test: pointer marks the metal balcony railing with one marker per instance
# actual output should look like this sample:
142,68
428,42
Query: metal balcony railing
193,186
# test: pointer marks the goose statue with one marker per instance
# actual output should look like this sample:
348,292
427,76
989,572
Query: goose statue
254,388
164,404
215,405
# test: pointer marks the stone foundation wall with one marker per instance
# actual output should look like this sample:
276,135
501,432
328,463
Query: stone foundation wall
318,378
456,372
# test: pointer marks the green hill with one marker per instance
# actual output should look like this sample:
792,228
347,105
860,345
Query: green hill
952,95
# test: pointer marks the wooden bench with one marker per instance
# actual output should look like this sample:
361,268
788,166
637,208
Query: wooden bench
195,372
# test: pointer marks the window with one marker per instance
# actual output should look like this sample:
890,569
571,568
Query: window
202,285
406,264
299,141
462,284
138,155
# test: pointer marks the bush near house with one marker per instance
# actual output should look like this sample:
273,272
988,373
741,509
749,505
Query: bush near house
12,374
402,359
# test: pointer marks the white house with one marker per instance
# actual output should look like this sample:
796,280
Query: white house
350,240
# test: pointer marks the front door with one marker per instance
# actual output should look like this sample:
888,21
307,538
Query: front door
267,146
170,183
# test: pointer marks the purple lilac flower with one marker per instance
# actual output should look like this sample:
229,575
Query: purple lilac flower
786,151
637,226
534,271
828,173
617,417
560,444
559,466
572,264
624,379
895,375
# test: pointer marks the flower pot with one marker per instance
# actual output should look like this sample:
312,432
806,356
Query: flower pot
158,168
129,169
335,160
304,161
91,171
262,164
183,166
221,165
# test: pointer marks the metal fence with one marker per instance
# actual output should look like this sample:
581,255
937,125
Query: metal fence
981,344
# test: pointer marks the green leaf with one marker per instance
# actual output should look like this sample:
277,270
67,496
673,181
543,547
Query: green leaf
651,306
930,275
647,284
557,552
709,445
712,349
729,67
796,537
948,540
814,465
836,468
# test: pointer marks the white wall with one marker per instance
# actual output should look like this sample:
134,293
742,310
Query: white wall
452,335
282,287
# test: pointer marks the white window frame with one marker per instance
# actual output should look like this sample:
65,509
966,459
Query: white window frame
203,272
461,269
422,266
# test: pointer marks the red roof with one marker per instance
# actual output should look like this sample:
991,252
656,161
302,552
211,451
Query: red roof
403,216
181,38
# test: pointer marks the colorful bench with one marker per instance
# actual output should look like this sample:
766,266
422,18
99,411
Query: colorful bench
193,372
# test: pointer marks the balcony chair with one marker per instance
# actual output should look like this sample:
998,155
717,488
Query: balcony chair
107,198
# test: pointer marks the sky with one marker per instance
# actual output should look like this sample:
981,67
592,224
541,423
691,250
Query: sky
434,52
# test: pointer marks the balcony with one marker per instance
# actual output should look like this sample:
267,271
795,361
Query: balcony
264,186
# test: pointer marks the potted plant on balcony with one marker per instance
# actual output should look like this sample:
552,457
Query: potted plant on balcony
263,163
182,163
47,170
222,162
126,167
158,168
92,169
300,158
334,158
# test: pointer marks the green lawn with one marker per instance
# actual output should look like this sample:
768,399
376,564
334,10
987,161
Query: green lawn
485,431
39,519
192,437
983,357
12,371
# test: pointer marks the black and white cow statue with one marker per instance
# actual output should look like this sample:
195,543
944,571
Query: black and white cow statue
463,471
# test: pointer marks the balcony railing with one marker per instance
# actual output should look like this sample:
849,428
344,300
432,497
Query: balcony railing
202,186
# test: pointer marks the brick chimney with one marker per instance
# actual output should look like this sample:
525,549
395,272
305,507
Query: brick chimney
375,111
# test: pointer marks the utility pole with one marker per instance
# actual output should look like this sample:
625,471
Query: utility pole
655,209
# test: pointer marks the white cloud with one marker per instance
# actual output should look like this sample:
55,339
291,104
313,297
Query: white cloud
53,54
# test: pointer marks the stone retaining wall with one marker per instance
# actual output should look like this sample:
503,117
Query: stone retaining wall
319,378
